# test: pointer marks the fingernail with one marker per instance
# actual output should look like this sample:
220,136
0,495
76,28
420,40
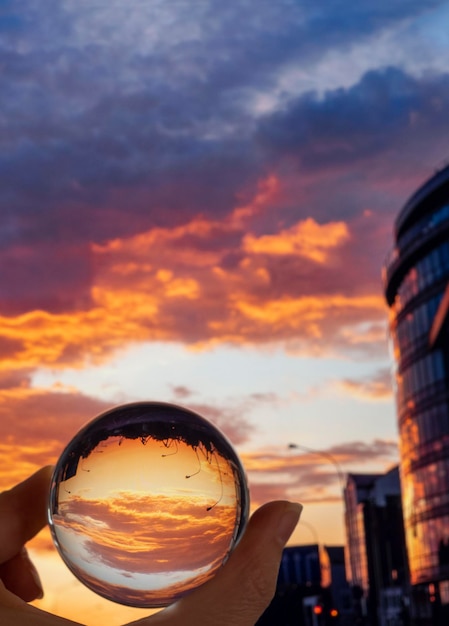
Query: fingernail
288,521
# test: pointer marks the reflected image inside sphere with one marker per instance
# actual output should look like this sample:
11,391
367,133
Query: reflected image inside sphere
146,503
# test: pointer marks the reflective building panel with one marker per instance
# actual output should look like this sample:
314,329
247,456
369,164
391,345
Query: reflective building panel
376,556
416,276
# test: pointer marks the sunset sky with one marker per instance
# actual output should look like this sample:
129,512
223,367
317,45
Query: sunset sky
196,200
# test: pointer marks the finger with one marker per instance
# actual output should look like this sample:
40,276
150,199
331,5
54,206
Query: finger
21,578
23,512
244,587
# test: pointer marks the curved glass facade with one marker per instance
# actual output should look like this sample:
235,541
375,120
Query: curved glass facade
416,276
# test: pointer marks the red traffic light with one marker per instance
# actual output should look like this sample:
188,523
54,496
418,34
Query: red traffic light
333,613
318,609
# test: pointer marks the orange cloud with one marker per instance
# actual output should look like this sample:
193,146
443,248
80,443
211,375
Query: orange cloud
147,533
307,238
305,312
149,548
204,283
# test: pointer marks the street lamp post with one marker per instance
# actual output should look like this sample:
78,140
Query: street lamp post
329,457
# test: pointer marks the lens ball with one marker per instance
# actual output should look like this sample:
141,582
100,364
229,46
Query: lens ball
146,503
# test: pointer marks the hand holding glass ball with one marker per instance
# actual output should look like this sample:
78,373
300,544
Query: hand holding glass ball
146,503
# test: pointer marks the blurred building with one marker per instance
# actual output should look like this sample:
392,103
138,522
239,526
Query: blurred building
300,565
376,555
336,593
416,276
300,598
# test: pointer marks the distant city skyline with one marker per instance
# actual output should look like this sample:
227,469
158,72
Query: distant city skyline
196,201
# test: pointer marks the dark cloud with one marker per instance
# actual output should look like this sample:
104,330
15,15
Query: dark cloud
10,347
377,387
51,274
362,451
268,397
117,158
107,131
181,392
89,117
52,418
369,124
15,379
381,101
231,421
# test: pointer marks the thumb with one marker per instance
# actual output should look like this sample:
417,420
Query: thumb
22,515
23,512
240,592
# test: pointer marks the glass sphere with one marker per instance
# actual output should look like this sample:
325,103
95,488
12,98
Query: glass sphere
146,503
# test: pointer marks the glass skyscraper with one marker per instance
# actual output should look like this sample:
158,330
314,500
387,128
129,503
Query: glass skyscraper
416,278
